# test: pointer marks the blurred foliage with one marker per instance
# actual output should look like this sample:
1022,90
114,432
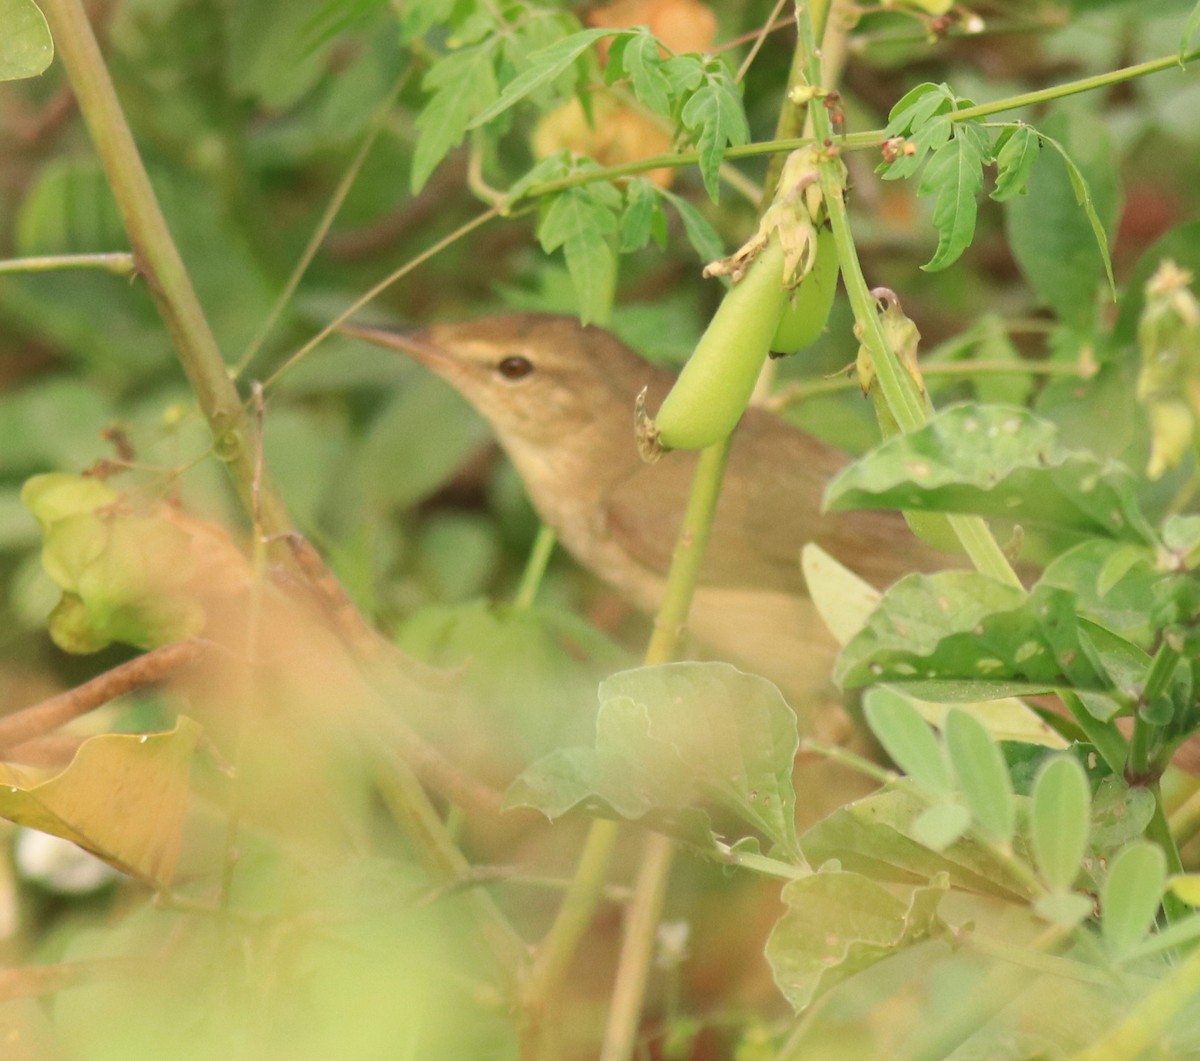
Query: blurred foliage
334,942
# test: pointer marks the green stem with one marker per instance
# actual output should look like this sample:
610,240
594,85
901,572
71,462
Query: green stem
535,567
1159,830
764,864
120,263
867,140
908,406
791,393
159,261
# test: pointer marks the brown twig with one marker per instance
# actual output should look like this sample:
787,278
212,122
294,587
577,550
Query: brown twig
49,715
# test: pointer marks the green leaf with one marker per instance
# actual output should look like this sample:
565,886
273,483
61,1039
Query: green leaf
1065,909
636,56
1186,887
1111,582
995,460
1083,197
917,107
1014,161
582,222
1189,31
642,217
1059,821
26,47
1054,242
939,826
982,774
931,136
1120,813
966,626
955,175
843,600
839,923
1131,895
907,738
700,233
879,837
545,65
461,84
715,119
670,738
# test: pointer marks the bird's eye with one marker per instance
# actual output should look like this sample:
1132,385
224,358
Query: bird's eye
515,367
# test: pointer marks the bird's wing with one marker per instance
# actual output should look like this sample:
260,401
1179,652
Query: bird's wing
768,511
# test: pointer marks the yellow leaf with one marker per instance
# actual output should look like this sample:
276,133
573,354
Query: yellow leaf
122,798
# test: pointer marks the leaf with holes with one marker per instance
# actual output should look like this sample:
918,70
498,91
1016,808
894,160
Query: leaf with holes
996,460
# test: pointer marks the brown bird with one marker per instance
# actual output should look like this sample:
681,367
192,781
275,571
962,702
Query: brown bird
560,399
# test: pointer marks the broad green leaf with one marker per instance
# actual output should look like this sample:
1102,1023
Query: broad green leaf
1015,161
460,85
907,738
1054,241
1111,582
582,221
955,175
995,460
671,738
26,47
1059,821
982,774
877,836
544,66
715,119
962,625
839,923
122,798
1131,895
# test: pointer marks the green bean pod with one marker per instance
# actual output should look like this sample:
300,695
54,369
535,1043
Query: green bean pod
715,385
805,316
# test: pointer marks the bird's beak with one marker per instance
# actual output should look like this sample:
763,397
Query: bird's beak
415,344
